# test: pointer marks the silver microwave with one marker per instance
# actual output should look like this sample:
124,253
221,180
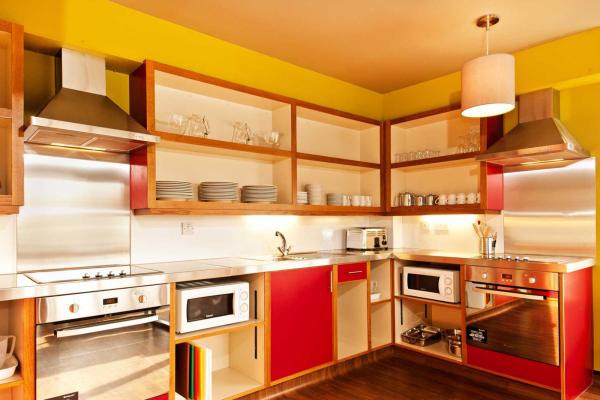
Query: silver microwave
207,304
431,283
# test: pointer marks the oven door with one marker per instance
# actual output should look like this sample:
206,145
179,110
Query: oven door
518,322
207,307
108,358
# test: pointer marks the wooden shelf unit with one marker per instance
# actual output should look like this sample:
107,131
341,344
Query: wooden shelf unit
11,117
352,312
17,317
429,302
190,336
451,172
158,91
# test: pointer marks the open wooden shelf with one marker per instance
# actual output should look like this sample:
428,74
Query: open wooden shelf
15,380
5,112
438,350
342,162
308,209
383,301
427,301
225,147
186,337
231,383
436,160
447,209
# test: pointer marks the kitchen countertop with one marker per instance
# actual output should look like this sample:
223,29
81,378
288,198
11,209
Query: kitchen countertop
18,286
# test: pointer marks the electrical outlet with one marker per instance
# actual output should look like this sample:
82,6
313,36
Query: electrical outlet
187,228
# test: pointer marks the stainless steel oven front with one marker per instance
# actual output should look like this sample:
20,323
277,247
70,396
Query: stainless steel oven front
111,344
514,312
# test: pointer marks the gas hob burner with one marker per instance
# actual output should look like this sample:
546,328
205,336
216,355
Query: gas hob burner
86,274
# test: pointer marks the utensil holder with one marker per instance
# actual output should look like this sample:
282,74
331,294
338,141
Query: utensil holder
487,246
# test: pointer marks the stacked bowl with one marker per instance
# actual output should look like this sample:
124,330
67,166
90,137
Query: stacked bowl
174,190
302,198
315,193
218,191
259,194
335,199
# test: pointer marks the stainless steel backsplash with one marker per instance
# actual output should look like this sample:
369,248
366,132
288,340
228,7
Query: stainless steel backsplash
551,211
77,212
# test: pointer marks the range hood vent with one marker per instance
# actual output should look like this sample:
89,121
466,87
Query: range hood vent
539,139
80,115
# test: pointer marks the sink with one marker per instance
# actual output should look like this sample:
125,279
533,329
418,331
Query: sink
291,257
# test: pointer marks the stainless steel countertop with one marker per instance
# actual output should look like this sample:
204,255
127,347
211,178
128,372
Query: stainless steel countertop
18,286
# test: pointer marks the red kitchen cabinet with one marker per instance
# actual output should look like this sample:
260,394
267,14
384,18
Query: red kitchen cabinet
301,320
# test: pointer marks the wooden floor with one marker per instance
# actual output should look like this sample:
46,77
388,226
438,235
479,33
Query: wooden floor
401,378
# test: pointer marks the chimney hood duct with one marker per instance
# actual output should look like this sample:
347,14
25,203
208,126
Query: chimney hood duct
539,139
80,115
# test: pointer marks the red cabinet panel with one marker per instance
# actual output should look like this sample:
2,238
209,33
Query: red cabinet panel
301,320
352,272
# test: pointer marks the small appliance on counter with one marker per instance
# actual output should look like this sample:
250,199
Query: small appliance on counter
207,304
366,239
434,283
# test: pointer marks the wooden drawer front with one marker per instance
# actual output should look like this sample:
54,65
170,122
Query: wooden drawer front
352,272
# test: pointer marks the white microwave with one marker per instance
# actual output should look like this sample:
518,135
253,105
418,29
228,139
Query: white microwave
431,283
207,304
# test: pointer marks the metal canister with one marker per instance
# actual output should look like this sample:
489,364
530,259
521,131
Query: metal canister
407,199
430,199
420,200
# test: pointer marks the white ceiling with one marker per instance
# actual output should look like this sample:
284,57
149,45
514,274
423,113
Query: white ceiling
381,45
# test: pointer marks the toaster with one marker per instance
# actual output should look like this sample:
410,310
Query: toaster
366,239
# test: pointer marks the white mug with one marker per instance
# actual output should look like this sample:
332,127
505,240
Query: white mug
5,350
451,199
355,200
471,198
442,200
461,198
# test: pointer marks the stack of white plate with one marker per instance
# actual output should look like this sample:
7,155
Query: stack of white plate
335,199
259,194
315,193
173,190
218,191
302,198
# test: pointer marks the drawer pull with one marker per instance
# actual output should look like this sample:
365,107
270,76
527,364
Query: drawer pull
355,272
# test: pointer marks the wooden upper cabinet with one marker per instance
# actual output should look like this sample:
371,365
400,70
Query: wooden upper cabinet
11,117
434,152
215,130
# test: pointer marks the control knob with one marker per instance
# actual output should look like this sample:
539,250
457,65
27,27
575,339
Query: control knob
142,299
111,274
98,275
122,273
484,275
448,281
244,296
86,276
244,307
532,279
74,308
448,291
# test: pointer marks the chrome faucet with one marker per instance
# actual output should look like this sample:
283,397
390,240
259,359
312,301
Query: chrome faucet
284,249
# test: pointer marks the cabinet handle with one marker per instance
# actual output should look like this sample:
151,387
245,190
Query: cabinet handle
331,281
354,272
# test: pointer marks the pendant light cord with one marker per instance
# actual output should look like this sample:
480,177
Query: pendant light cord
487,35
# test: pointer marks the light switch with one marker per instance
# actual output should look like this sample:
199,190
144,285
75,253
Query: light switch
187,228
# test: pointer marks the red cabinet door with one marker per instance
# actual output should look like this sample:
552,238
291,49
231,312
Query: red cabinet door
301,320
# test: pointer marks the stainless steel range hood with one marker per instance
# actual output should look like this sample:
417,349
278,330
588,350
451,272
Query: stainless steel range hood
80,115
540,139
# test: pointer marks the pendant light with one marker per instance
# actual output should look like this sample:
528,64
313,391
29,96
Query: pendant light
488,82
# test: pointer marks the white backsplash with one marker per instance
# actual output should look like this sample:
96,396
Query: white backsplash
159,238
8,244
444,232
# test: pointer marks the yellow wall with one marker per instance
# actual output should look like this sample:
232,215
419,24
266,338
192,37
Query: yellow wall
108,28
567,62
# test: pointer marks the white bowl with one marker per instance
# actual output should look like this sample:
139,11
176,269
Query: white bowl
9,368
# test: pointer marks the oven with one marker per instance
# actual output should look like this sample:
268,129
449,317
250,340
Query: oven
514,328
432,283
207,304
111,344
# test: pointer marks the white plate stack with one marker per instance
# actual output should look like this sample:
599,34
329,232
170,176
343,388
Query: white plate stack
174,190
335,199
218,191
315,193
302,198
259,194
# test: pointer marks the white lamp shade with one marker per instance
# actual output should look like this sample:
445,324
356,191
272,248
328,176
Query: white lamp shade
488,86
